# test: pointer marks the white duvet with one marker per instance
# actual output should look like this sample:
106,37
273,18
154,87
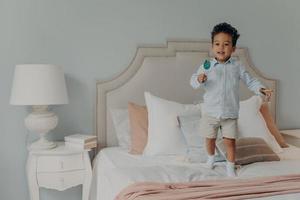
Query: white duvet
114,169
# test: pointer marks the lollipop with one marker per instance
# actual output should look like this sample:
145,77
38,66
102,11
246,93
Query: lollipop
206,65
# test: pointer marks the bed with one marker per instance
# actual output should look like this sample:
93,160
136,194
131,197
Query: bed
165,71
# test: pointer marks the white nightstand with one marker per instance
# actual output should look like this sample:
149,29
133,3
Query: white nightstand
292,136
59,168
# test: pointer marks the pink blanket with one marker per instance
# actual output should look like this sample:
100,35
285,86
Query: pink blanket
213,189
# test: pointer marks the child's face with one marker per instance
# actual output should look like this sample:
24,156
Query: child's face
222,46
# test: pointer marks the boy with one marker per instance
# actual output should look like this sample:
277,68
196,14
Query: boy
220,78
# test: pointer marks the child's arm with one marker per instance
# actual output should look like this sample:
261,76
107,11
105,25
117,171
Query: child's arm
267,93
202,78
252,83
198,78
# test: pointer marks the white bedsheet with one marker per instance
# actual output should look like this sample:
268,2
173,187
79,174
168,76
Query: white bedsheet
114,169
290,153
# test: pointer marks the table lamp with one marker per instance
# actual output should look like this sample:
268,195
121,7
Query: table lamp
39,85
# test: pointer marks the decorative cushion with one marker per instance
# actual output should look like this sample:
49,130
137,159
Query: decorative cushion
138,121
264,110
190,128
250,150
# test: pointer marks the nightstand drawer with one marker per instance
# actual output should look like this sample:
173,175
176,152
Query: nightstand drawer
61,180
60,163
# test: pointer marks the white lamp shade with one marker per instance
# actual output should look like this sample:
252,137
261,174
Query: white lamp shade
38,84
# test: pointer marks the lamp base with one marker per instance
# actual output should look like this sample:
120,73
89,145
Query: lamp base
41,121
42,144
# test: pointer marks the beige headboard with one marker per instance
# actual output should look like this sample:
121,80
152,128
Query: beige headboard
165,71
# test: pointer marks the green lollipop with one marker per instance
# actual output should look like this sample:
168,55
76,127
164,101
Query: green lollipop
206,64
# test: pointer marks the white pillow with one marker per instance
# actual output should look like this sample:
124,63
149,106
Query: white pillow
190,128
252,124
120,120
164,136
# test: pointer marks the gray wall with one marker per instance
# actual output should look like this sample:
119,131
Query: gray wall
95,40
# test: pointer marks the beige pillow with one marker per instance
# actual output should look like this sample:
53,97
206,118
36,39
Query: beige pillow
138,122
264,110
250,150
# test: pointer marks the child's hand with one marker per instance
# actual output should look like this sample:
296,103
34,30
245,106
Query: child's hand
267,93
202,78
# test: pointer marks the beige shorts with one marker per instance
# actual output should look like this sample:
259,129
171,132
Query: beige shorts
211,125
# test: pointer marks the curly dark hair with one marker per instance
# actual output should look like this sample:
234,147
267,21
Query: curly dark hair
225,28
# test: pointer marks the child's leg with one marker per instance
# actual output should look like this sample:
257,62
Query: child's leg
210,146
230,149
209,126
229,132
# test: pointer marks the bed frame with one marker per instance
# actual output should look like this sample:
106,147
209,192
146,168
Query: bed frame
164,71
